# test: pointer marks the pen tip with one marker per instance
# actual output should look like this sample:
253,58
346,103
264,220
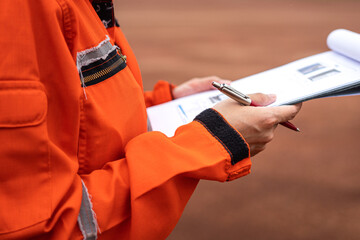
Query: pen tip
297,129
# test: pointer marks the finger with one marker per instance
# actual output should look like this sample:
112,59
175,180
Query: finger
209,80
196,85
286,113
219,80
260,99
205,83
255,149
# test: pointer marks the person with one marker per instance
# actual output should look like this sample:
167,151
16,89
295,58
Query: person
77,160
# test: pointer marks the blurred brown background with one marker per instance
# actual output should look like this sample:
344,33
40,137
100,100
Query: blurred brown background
304,185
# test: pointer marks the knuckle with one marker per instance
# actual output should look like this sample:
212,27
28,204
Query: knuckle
260,148
256,148
292,116
295,111
268,138
269,121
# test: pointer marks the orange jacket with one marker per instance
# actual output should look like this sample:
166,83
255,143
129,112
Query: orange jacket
73,131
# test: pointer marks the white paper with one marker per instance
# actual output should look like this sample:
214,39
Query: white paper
169,116
311,77
345,42
321,75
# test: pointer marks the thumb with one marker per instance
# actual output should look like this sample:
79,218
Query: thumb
260,99
286,112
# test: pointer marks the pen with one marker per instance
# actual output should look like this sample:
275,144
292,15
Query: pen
245,100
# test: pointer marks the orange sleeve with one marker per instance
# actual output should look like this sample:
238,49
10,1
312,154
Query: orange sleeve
157,184
141,196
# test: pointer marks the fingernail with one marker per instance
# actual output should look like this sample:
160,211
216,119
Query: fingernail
227,82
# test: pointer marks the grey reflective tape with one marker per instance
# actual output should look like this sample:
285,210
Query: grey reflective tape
149,127
101,51
86,219
91,55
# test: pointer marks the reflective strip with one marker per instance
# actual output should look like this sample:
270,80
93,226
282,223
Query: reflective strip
86,219
149,127
101,51
91,55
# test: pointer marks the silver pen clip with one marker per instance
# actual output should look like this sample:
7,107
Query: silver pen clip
233,93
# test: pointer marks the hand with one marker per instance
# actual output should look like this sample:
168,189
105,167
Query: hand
256,124
196,85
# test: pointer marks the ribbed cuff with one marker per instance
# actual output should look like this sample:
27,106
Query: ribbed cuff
232,141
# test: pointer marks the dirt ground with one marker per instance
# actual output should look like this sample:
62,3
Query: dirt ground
304,185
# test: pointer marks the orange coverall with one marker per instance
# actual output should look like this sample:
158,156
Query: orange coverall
73,131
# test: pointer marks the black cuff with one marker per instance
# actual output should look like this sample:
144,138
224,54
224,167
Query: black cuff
225,134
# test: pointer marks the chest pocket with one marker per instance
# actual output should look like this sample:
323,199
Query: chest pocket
113,108
99,63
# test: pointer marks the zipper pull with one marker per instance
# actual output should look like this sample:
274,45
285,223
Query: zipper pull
124,57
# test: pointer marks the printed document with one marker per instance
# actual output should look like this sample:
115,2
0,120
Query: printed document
332,73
